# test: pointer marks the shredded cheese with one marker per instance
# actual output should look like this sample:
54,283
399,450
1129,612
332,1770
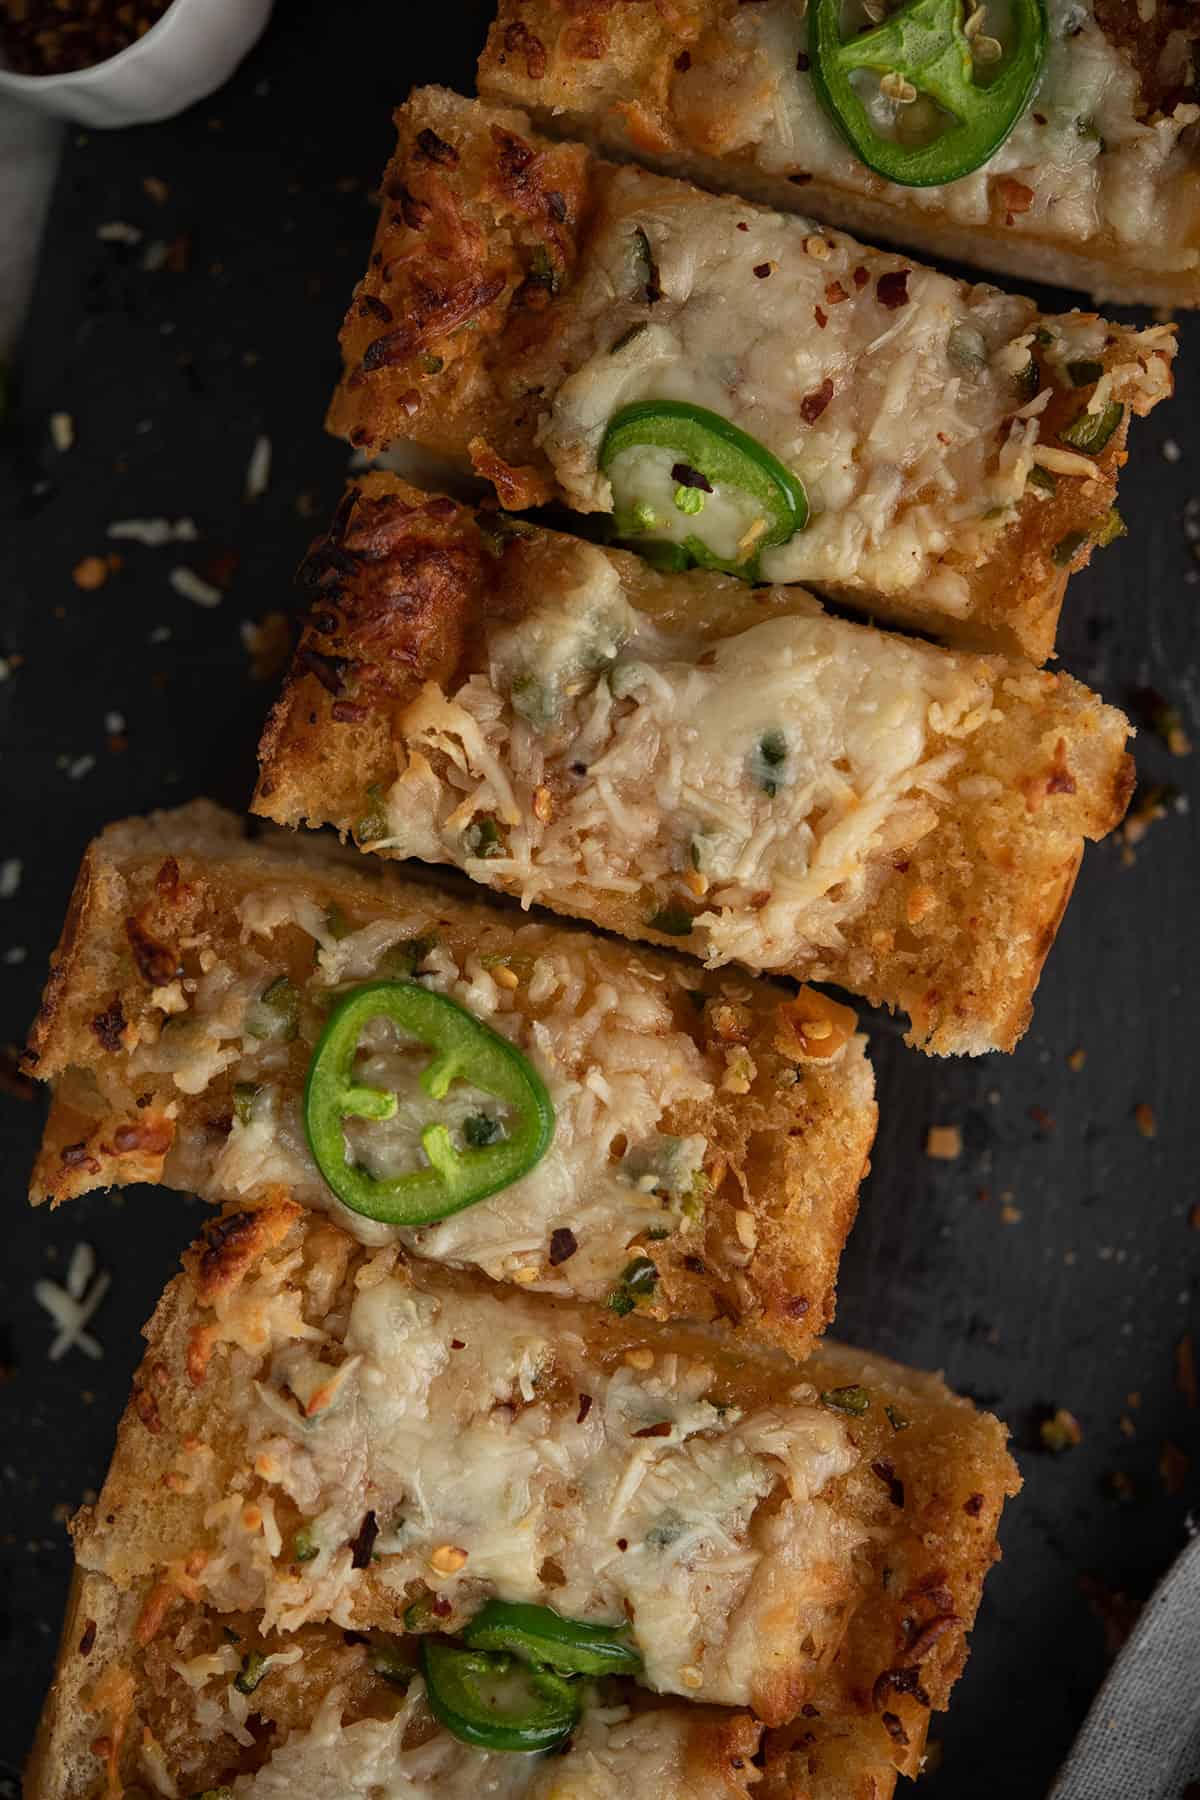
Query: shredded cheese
72,1307
458,1424
785,765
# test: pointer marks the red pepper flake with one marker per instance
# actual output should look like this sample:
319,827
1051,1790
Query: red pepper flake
146,1408
563,1245
157,963
415,213
87,1641
1015,197
1143,1118
925,1639
835,293
803,63
436,150
899,1681
822,318
814,404
519,39
659,1430
109,1024
891,290
362,1546
796,1307
742,225
973,1506
891,1481
762,270
683,61
799,180
686,476
585,1407
1060,779
153,1138
458,1343
894,1728
861,277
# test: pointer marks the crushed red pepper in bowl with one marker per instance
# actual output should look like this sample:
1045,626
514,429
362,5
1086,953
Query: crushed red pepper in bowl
52,37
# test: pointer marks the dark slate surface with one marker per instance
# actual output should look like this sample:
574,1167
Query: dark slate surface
1053,1264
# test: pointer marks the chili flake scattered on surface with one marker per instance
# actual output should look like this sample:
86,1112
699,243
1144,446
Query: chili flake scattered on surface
891,290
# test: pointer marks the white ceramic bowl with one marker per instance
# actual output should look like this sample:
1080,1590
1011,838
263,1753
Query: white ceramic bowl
194,47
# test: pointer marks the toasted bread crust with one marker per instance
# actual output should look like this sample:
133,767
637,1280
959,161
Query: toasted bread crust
607,75
468,223
931,1480
792,1156
957,937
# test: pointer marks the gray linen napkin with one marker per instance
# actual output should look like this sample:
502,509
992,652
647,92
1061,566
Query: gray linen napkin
1141,1739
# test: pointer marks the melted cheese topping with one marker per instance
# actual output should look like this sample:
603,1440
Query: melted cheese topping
459,1421
609,1052
900,414
406,1758
766,780
1092,168
401,1758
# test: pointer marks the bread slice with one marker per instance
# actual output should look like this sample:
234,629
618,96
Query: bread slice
681,758
322,1431
144,1700
1095,189
715,1126
520,293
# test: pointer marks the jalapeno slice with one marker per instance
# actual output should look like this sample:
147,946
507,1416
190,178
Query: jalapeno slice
718,495
540,1635
464,1049
496,1702
925,46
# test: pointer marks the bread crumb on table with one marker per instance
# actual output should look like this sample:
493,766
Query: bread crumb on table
943,1143
1061,1431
